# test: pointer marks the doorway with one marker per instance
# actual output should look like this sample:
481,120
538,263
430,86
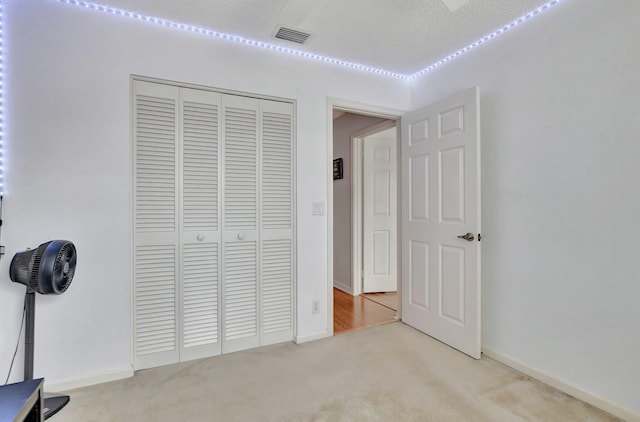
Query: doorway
365,220
439,204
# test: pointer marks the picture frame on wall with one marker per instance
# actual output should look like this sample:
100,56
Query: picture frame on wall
337,169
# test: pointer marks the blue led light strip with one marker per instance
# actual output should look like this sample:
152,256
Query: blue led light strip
232,37
331,60
1,101
486,38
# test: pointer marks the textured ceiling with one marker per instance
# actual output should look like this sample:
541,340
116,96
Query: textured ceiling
402,36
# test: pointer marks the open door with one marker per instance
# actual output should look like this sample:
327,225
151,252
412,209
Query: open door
441,220
380,235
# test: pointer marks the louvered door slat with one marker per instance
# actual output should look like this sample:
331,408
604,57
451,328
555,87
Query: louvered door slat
155,299
155,163
200,165
277,171
200,294
240,291
277,294
240,168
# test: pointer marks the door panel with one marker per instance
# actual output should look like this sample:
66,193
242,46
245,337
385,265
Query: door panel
200,289
380,215
156,252
418,278
452,185
451,282
200,235
240,227
419,187
276,227
441,177
240,295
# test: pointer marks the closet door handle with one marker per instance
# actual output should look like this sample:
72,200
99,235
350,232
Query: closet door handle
200,237
240,236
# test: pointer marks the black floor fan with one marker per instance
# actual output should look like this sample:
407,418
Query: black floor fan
47,270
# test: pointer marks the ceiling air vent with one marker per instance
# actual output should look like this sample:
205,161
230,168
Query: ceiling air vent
292,35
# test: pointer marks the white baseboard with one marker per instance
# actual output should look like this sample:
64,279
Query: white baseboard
565,387
71,383
312,337
341,286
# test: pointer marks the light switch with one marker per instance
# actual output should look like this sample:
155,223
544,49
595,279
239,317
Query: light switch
317,208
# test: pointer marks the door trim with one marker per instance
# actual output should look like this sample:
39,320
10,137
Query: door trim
357,222
365,109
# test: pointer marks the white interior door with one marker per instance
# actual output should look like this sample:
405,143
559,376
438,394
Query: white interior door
441,220
380,236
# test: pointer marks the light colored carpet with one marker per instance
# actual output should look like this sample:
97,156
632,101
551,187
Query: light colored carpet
386,373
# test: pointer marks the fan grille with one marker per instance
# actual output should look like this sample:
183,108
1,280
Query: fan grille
34,265
63,270
21,266
48,269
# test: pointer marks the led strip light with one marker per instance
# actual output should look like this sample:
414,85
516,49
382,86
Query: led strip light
1,102
232,37
331,60
486,38
291,51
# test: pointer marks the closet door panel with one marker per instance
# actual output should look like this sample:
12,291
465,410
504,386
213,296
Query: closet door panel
276,229
277,291
240,296
200,223
155,133
240,222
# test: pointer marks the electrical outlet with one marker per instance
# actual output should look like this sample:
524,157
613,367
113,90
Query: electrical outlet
315,306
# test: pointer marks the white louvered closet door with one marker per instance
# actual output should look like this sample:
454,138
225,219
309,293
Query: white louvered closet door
213,223
240,223
200,237
155,132
276,225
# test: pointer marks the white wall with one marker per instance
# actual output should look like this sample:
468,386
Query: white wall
68,164
560,98
343,128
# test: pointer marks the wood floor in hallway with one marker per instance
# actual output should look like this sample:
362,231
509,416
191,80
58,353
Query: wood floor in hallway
355,312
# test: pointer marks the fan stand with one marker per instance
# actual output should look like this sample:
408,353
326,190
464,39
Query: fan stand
52,403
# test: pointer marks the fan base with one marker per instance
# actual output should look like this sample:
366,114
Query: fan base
53,404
